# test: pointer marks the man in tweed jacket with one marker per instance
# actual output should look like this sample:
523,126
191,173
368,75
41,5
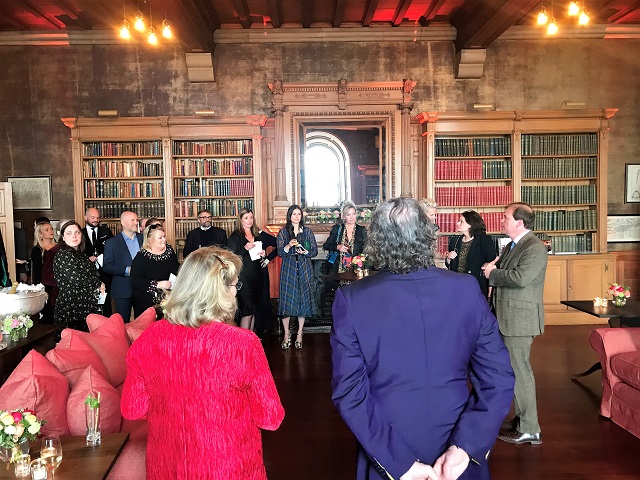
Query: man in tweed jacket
517,278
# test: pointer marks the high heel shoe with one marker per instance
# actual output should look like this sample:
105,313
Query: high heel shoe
298,343
286,343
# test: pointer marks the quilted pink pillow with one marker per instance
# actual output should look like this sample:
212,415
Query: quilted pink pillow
95,321
135,328
37,385
110,342
110,416
72,355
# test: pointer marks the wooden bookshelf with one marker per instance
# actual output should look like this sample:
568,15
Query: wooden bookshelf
555,160
168,167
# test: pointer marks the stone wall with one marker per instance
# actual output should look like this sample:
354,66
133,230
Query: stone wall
42,84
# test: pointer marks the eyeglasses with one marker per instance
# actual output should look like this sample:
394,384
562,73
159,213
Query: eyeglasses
238,286
204,217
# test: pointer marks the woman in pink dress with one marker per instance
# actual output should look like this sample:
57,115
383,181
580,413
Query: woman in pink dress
203,384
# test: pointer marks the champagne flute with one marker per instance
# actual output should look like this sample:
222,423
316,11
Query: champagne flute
51,453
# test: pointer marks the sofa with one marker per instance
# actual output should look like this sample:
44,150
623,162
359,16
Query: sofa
619,352
55,385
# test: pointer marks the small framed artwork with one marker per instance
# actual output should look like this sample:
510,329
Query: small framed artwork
623,228
31,193
632,183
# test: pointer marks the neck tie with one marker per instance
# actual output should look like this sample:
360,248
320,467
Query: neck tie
513,244
94,236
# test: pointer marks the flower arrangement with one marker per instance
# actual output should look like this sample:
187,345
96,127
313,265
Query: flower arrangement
16,325
360,261
17,426
619,293
365,215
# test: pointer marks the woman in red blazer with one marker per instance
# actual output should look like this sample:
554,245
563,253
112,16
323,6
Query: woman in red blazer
203,384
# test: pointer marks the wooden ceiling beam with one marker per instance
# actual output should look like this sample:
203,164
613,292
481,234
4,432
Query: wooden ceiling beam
275,13
72,11
307,11
189,27
208,11
480,22
47,16
242,10
338,13
401,9
13,20
369,12
430,12
622,14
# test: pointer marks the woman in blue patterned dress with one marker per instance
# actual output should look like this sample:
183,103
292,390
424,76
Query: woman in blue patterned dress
296,246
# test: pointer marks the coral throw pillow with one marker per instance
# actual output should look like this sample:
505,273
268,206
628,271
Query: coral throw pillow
72,355
37,385
109,340
135,328
110,417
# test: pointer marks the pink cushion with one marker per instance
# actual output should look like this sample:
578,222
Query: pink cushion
626,366
72,355
136,327
37,385
109,341
110,417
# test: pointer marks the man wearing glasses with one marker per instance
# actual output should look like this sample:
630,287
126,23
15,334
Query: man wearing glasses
205,235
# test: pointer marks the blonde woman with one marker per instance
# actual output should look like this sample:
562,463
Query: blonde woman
151,269
44,249
202,379
430,207
347,238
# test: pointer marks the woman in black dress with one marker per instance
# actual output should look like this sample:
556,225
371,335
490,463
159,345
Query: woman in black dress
77,279
467,253
242,240
42,254
347,238
151,269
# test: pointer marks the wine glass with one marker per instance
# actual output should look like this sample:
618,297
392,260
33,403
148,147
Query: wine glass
51,453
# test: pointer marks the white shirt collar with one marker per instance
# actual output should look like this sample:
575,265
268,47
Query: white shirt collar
205,229
519,237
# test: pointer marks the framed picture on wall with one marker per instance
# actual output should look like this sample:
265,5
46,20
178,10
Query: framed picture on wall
623,228
31,193
632,183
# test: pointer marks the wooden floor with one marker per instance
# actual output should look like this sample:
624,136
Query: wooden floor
314,444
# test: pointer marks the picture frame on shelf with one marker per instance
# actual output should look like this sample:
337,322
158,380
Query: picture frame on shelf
632,183
623,228
31,193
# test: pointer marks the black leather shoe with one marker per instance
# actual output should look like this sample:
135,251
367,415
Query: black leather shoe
519,438
509,425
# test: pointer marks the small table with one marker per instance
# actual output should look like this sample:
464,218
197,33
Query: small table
41,337
348,277
629,316
78,460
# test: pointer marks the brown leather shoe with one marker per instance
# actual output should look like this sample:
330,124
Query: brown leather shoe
519,438
510,425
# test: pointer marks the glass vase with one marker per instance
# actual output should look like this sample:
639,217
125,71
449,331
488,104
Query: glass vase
8,454
619,301
92,416
15,335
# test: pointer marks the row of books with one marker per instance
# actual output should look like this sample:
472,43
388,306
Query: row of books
472,169
559,194
120,189
121,168
560,144
213,166
448,221
224,147
111,209
114,149
473,147
580,243
217,207
571,167
566,220
474,196
208,187
185,226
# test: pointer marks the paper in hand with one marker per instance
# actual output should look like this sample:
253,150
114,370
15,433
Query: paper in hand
102,298
255,252
99,260
172,279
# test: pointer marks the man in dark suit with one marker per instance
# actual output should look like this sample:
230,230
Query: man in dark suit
518,283
95,237
406,343
205,235
118,255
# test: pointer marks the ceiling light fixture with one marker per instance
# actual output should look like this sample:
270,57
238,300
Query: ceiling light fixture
552,28
139,23
166,29
543,18
574,9
125,30
583,19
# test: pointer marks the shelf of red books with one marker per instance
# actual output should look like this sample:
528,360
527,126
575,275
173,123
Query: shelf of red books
457,169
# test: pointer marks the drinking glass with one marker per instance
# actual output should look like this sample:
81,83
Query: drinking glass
23,465
38,470
51,453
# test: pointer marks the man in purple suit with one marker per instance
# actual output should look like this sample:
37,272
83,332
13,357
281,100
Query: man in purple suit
406,344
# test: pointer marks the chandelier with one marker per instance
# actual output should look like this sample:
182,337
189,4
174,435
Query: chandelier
573,10
140,26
